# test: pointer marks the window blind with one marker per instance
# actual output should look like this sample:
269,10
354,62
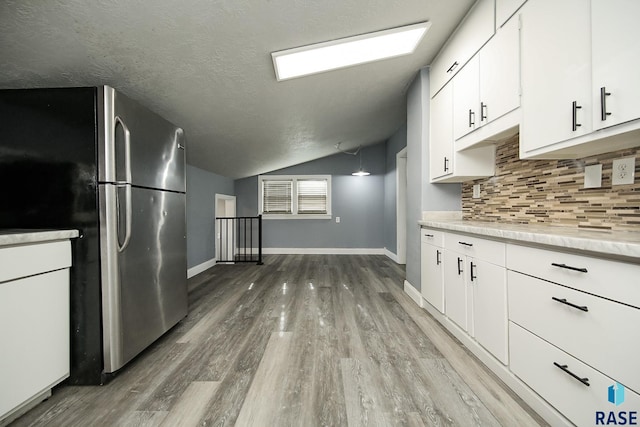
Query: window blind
277,197
312,196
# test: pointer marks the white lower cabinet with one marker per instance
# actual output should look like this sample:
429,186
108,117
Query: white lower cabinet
562,327
34,323
575,389
589,327
431,268
475,290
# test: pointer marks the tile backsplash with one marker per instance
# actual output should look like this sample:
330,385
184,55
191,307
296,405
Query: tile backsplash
551,191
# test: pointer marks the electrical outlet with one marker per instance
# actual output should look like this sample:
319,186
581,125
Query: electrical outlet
337,220
476,191
623,171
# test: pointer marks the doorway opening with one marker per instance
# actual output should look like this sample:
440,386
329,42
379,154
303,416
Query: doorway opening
401,206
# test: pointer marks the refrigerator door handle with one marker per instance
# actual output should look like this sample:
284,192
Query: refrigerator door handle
127,147
127,213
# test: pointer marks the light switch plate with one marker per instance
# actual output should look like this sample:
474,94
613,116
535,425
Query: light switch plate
593,176
623,171
476,191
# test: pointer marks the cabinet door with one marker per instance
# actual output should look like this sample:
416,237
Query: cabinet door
474,31
489,284
616,59
455,289
500,74
441,140
432,276
556,72
466,99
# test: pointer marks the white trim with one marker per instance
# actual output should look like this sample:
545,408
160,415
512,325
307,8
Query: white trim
296,216
323,251
200,268
413,293
541,407
401,206
391,255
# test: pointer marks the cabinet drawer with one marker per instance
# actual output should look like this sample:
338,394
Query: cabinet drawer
532,360
600,337
432,237
486,250
610,279
28,260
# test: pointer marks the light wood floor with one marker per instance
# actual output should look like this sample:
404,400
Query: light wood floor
303,340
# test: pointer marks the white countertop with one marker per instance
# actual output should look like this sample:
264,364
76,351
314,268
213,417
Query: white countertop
609,243
18,237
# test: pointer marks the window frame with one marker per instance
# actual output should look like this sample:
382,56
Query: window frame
294,196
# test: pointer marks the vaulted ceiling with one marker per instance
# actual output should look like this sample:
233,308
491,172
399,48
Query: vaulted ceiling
206,66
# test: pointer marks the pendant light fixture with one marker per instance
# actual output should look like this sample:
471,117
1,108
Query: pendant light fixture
359,172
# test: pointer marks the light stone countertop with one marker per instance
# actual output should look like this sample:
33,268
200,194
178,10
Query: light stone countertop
625,244
17,237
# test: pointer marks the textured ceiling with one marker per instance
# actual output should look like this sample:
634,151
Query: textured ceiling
206,66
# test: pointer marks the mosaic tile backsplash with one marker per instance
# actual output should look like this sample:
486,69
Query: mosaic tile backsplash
551,191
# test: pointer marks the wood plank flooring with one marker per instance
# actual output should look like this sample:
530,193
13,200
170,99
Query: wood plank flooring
303,340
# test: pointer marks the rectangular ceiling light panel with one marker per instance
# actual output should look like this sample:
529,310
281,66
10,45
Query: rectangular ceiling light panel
321,57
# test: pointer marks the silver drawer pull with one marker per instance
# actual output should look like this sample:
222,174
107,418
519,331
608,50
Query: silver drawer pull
568,267
565,369
564,301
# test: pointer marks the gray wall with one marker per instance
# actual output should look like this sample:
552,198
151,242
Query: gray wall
202,187
421,195
358,201
393,146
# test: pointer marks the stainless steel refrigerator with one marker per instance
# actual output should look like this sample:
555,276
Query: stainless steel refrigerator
93,159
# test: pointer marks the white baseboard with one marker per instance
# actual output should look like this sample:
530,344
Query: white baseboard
391,255
323,251
200,268
413,293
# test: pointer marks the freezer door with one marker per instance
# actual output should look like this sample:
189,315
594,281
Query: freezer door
144,283
138,146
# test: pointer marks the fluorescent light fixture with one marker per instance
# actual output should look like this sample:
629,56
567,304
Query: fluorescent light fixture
341,53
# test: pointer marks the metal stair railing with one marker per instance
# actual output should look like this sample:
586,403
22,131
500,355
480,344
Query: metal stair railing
235,239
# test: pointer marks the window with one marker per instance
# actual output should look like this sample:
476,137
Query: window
290,196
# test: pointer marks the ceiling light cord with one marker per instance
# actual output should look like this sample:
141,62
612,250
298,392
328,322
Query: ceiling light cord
359,172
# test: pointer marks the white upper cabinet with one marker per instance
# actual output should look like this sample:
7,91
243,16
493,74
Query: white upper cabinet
473,32
505,9
500,73
445,163
616,60
556,72
466,99
580,88
441,137
487,89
